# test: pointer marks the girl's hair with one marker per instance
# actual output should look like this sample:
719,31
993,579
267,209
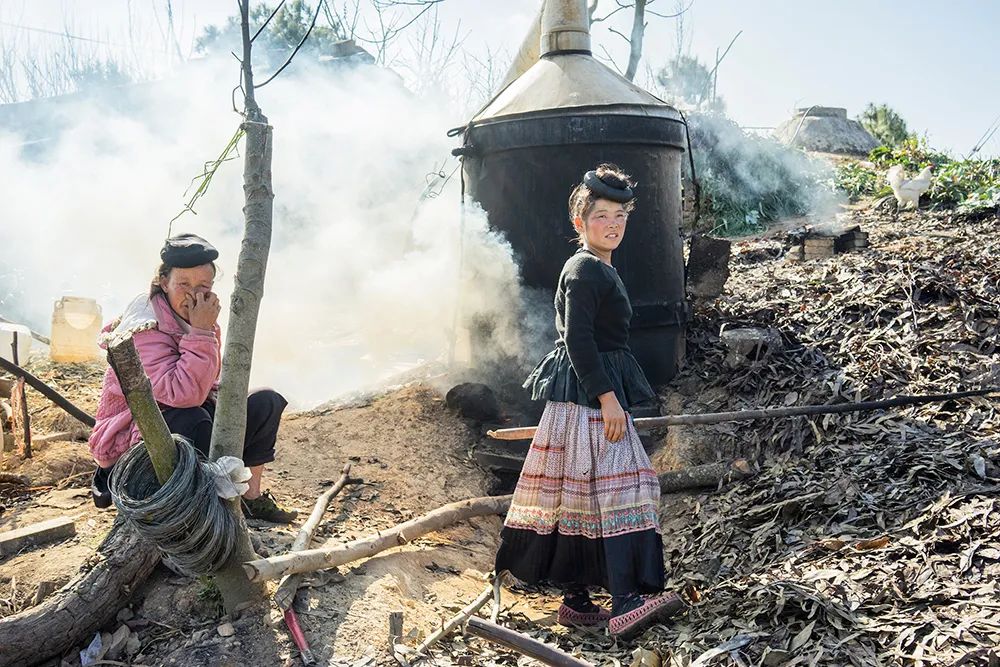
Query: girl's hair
163,272
582,199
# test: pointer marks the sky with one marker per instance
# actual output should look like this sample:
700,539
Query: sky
936,63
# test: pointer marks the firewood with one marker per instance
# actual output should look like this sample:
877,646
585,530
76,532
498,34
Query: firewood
645,423
709,474
523,644
284,596
455,621
21,420
339,554
47,391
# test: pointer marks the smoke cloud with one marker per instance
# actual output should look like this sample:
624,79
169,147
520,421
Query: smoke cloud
364,274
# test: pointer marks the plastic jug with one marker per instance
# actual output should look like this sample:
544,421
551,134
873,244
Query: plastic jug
8,332
76,322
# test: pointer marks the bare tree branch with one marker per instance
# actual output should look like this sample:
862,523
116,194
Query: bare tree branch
299,46
265,23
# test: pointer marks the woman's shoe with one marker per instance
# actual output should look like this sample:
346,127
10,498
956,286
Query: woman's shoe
643,613
574,618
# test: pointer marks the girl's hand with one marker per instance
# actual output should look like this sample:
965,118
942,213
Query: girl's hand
613,416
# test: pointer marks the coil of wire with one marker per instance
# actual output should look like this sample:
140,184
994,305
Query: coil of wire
193,528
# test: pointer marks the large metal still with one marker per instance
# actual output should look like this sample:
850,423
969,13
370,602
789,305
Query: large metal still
532,143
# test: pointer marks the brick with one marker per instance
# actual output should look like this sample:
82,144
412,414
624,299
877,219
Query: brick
36,534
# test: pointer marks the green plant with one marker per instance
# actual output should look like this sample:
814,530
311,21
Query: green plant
885,124
913,154
858,180
747,181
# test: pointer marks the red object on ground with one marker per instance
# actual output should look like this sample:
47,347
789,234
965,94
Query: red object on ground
292,621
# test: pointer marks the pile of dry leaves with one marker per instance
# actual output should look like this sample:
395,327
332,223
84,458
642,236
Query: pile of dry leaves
867,538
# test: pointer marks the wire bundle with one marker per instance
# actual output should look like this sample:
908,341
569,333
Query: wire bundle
193,528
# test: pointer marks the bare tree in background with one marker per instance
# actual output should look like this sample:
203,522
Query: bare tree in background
37,63
640,11
377,24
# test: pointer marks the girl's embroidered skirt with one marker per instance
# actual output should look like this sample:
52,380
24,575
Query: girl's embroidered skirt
585,511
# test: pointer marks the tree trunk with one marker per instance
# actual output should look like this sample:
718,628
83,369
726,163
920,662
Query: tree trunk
635,41
231,414
82,606
230,424
339,554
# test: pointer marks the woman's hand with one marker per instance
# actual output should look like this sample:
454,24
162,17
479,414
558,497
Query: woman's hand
203,310
613,416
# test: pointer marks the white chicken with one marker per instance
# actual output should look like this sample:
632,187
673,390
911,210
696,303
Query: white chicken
908,190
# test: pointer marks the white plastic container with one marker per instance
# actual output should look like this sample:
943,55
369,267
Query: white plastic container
76,322
7,334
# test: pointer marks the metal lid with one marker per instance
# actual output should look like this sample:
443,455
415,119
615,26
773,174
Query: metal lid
573,81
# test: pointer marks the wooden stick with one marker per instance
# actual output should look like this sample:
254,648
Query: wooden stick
495,614
284,596
645,423
78,434
455,621
709,474
48,392
523,644
139,394
396,647
20,420
338,554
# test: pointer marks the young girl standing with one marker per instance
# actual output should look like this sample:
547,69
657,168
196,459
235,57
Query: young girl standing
586,508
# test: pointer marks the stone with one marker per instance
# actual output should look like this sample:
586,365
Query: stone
708,266
474,401
125,614
132,646
749,344
226,630
117,644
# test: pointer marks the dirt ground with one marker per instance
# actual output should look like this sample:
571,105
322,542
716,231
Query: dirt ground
865,539
412,455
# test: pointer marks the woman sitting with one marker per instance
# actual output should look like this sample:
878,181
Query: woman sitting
176,334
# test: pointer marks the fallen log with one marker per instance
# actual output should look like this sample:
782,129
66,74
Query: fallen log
646,423
333,555
709,474
123,560
82,606
284,596
523,644
48,392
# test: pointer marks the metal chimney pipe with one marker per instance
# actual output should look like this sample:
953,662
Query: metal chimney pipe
565,26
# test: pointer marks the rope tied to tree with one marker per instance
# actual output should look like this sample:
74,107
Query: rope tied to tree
185,518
